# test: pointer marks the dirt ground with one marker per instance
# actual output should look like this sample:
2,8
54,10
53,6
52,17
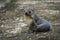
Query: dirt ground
13,26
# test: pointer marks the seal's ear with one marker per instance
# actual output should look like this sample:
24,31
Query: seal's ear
33,10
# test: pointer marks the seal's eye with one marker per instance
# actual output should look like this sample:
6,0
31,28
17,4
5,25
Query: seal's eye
29,11
26,14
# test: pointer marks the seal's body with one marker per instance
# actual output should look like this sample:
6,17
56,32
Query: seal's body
37,24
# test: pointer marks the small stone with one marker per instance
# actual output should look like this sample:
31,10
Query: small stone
28,36
17,19
2,25
45,33
51,13
37,35
30,39
58,38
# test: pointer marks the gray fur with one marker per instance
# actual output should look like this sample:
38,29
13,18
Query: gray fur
39,24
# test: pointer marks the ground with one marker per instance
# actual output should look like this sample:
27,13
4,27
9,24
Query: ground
13,26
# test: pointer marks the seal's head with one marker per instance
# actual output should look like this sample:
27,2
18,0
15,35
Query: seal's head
28,12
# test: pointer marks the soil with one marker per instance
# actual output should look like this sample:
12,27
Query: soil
13,26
